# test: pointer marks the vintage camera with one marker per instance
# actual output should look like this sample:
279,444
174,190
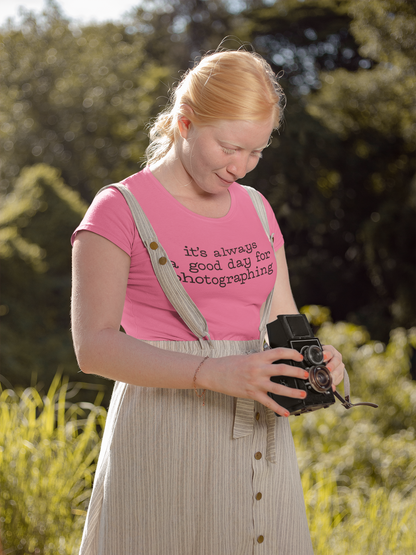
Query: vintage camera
293,331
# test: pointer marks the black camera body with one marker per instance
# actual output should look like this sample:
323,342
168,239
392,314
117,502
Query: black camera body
294,332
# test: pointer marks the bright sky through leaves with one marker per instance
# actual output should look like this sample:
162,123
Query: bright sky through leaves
93,10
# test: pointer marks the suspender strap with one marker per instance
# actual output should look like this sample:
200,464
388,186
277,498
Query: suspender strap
164,271
261,211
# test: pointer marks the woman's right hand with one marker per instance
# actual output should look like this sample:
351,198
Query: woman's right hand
248,376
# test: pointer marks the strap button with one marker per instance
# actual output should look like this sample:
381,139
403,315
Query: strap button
162,260
154,245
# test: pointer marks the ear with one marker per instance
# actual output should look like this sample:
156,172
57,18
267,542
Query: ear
185,117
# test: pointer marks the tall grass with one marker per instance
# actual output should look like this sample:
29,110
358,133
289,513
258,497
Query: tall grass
343,521
48,452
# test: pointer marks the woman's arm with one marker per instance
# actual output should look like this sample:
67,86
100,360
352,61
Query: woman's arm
283,301
99,281
100,273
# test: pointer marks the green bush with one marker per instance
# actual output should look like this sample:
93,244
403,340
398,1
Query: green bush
36,223
48,453
359,466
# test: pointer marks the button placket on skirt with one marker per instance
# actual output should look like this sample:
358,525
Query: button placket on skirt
260,467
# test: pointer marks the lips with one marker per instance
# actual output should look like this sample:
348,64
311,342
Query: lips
224,180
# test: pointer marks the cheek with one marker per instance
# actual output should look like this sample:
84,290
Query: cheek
252,164
206,162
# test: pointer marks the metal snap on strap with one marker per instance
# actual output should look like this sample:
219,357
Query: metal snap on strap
154,245
162,260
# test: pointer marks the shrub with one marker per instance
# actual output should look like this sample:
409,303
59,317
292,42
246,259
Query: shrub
48,452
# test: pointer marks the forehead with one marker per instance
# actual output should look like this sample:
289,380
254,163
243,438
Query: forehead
244,134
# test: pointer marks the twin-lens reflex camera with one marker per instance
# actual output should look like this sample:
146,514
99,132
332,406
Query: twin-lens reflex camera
294,331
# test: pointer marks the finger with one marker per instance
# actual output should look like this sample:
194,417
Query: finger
338,376
288,370
283,353
337,372
285,391
335,364
268,402
330,353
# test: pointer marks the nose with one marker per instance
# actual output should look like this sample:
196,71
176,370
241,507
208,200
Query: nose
238,168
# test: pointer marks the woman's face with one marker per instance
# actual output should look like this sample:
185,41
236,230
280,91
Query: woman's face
215,156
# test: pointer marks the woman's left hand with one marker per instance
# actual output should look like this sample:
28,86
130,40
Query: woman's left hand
333,360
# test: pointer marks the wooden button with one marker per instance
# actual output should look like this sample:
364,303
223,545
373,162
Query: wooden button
260,539
257,415
162,260
259,496
258,456
154,245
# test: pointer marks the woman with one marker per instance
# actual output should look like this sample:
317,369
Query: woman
193,460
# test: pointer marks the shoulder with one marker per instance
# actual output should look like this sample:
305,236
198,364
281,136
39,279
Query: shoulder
253,196
259,201
252,193
110,217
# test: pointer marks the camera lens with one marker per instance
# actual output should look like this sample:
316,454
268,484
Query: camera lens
320,378
312,354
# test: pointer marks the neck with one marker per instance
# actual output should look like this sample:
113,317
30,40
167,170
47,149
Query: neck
171,173
174,178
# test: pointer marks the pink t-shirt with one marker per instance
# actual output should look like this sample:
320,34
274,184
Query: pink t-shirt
225,264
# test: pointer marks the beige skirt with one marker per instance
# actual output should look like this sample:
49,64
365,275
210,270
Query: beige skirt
175,477
172,480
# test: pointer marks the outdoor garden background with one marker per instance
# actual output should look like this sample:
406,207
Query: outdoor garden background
340,175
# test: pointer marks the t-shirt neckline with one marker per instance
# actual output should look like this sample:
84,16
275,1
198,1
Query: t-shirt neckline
178,204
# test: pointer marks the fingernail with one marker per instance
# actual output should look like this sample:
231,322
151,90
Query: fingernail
306,374
287,413
303,394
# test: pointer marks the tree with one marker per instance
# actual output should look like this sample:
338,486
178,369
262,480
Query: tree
75,98
380,102
36,223
345,200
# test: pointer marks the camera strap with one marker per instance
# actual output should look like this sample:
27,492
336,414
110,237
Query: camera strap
347,403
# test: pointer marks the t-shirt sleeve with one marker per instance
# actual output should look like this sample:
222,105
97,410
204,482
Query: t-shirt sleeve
274,226
110,217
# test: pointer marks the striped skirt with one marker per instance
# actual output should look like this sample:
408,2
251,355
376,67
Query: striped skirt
172,480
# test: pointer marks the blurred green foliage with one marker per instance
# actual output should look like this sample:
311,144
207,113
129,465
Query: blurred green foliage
48,455
365,447
36,222
340,174
383,99
76,99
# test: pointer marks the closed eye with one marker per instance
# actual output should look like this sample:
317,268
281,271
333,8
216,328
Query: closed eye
228,150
